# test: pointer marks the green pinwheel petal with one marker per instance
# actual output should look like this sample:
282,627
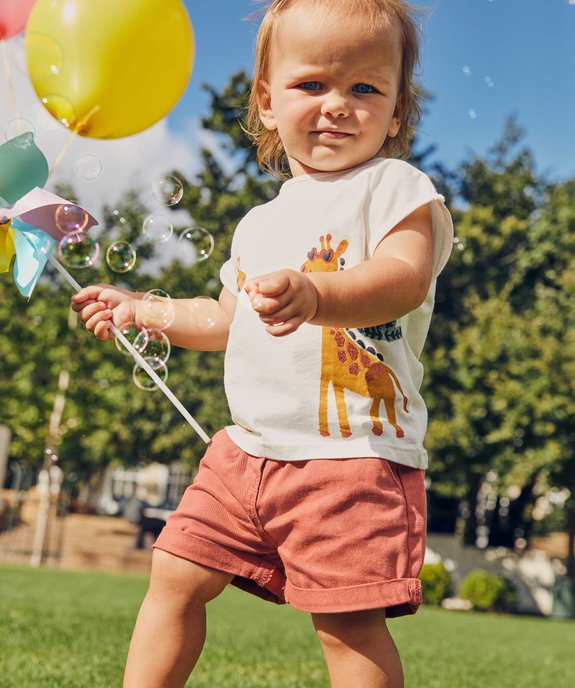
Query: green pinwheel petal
23,166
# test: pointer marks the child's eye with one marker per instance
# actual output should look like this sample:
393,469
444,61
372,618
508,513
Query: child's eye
363,88
310,86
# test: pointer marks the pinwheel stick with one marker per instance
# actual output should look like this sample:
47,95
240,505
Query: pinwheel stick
138,358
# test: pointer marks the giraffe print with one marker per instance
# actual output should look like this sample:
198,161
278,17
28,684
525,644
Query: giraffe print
346,364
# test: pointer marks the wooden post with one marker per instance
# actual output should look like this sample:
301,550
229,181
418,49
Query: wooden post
4,445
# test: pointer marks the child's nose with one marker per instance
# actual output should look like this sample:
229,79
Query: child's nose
335,104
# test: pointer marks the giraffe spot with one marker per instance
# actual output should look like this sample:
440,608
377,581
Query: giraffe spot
332,331
339,338
376,370
352,351
354,369
365,360
341,356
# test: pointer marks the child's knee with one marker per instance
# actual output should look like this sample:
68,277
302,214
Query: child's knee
184,582
349,629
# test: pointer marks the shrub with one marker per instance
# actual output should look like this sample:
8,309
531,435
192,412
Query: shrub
436,583
488,592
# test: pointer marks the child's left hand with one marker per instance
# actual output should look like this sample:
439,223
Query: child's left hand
284,300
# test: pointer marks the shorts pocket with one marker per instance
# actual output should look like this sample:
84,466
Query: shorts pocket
394,471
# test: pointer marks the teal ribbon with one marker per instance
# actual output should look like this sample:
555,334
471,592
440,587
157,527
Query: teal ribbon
33,248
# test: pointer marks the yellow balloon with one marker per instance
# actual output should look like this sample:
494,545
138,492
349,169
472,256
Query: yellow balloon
109,68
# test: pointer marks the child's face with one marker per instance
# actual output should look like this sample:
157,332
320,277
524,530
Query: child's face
332,93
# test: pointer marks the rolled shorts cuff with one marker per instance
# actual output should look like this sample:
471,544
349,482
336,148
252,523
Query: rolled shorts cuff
399,597
269,582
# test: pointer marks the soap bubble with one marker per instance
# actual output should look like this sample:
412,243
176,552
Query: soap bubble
42,56
118,217
78,250
157,228
61,109
157,309
71,218
20,131
472,114
153,342
88,166
131,330
121,256
168,190
141,378
196,245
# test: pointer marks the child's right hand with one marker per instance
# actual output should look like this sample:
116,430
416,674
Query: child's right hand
101,305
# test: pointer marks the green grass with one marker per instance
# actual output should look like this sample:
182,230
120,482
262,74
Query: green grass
62,629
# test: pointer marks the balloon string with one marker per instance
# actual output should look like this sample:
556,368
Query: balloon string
62,153
74,133
8,72
139,359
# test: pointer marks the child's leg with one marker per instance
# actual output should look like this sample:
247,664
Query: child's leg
359,650
171,626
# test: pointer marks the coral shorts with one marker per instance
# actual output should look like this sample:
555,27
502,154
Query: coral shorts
324,535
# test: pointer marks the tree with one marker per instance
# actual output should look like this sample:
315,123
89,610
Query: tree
500,360
106,419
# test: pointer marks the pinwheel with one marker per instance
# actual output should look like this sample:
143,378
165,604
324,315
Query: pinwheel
29,230
28,225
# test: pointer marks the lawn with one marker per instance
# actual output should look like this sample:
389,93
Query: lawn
63,629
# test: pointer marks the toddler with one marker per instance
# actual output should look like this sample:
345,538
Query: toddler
315,495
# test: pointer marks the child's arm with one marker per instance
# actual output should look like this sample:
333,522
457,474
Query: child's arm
391,284
201,323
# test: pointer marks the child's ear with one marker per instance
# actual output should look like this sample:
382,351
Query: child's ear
265,106
396,119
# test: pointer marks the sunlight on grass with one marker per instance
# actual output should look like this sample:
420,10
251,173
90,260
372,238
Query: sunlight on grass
63,629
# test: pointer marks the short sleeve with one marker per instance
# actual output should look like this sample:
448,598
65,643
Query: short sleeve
229,276
396,191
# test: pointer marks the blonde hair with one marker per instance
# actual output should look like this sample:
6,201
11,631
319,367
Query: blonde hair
379,13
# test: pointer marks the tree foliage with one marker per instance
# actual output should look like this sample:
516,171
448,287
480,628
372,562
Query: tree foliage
499,359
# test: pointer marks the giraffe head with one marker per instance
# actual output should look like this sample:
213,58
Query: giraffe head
326,259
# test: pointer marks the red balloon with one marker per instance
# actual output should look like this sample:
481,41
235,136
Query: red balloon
13,16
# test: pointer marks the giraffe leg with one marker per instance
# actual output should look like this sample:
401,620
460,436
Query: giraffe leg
342,411
390,409
374,415
323,392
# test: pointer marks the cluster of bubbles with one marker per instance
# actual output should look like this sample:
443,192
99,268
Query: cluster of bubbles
78,250
471,113
150,342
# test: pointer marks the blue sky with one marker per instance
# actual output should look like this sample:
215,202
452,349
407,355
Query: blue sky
482,59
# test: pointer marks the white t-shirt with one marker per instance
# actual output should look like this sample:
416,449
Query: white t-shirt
324,392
